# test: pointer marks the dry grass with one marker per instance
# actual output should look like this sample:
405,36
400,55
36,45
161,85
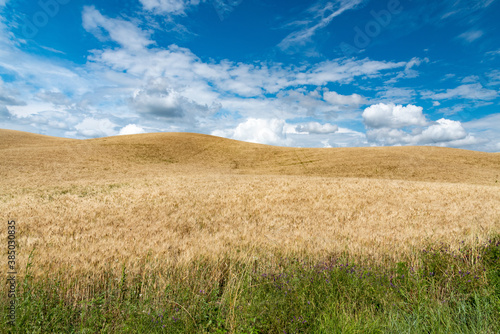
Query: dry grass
168,199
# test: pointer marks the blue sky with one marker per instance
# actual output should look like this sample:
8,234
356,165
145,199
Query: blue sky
336,73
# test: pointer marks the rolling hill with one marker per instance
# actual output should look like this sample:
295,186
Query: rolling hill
37,157
87,204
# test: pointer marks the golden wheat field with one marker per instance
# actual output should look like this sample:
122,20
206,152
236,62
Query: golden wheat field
171,198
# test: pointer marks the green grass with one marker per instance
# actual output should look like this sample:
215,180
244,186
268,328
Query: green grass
443,292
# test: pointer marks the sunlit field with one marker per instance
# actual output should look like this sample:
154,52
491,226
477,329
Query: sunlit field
208,216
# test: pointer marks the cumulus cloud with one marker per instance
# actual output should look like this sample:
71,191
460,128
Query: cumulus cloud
345,100
443,130
125,33
167,103
180,65
131,129
390,124
92,128
237,87
316,128
393,116
261,131
388,136
159,99
171,88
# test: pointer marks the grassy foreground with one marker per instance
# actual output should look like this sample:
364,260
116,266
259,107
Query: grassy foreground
446,292
188,233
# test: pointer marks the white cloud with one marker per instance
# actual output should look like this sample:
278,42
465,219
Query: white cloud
92,128
209,80
322,15
166,103
7,96
123,32
326,143
470,78
395,95
171,88
393,116
388,136
174,7
3,2
180,65
278,132
31,108
344,100
390,124
262,131
415,62
488,130
444,130
131,129
159,99
465,8
316,128
494,77
409,72
471,35
493,53
471,91
345,71
225,7
455,109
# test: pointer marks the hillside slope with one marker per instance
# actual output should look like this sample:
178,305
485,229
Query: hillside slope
37,157
16,139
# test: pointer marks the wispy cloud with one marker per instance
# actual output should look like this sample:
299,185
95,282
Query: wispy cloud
122,32
318,17
471,35
173,7
52,49
456,8
470,91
